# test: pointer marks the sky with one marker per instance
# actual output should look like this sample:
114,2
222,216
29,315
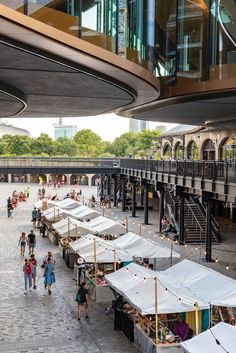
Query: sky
108,126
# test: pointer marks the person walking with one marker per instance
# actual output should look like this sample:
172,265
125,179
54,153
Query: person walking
22,243
31,242
9,207
28,192
34,264
43,229
43,193
82,300
38,218
27,269
49,275
34,215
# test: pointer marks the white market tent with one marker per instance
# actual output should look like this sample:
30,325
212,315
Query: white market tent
202,282
65,227
105,251
137,285
67,203
52,213
82,213
206,342
100,225
137,246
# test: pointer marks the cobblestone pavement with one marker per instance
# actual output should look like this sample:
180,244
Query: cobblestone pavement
41,323
38,322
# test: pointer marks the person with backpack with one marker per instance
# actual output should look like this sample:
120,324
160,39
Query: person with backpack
22,242
31,242
27,269
82,300
34,263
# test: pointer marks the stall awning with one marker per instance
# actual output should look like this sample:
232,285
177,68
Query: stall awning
100,225
82,213
105,251
204,283
52,213
66,204
137,246
219,339
137,285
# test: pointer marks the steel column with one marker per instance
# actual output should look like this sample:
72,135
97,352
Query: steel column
181,221
146,205
133,200
208,233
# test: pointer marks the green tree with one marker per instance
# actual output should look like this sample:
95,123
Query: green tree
124,144
16,145
65,147
88,143
43,145
146,138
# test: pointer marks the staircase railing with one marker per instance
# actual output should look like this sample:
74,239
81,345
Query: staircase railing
194,218
215,227
170,205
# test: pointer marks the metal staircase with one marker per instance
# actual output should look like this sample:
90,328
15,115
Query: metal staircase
194,218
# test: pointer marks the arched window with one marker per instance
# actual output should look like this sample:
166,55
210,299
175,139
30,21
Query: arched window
208,150
167,151
193,151
178,150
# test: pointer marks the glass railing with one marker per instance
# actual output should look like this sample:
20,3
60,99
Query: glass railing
189,40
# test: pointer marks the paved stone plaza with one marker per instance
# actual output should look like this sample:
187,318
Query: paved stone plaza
42,323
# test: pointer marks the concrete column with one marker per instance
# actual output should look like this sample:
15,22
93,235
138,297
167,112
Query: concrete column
27,178
9,178
90,177
102,184
181,221
47,178
208,233
115,191
133,200
146,205
161,207
123,196
141,196
68,179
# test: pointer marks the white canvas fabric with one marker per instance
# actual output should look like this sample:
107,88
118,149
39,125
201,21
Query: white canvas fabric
51,213
201,282
129,282
67,203
137,246
105,251
206,342
82,212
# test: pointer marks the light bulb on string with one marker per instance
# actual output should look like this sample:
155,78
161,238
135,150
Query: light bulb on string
179,300
227,267
216,260
166,290
196,248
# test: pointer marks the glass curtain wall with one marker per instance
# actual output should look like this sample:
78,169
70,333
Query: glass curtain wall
188,40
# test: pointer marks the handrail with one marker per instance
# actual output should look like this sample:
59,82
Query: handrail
189,207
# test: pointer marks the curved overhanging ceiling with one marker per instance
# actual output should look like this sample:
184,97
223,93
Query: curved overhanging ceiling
58,74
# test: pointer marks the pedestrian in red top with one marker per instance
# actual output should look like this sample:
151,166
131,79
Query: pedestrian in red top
34,263
28,269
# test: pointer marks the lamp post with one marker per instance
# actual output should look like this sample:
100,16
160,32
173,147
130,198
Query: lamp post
156,314
95,260
126,224
114,252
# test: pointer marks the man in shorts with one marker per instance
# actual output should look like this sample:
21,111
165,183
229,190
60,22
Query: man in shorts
31,242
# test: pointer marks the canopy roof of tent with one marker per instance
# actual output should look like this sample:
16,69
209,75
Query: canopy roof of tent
100,225
137,285
202,282
137,246
82,212
219,339
105,251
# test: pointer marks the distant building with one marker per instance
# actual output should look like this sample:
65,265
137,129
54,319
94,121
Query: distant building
62,130
7,129
137,125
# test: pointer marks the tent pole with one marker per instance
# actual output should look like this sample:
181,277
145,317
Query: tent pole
54,209
68,228
114,260
156,315
95,260
58,214
196,318
76,231
126,224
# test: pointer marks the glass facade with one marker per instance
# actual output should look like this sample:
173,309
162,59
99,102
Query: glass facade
177,40
67,131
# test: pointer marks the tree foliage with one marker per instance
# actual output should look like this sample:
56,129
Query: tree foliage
85,143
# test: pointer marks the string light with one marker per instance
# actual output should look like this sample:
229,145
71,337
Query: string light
227,267
216,260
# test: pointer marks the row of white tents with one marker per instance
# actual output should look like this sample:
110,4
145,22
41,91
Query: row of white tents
180,288
124,248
